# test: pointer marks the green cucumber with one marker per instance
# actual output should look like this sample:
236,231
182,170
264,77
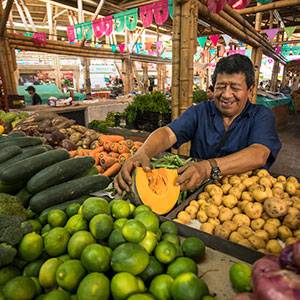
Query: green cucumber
92,171
59,173
9,152
26,168
11,188
67,191
26,153
22,142
23,196
17,134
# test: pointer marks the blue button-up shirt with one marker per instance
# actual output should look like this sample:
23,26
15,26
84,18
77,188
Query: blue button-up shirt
203,125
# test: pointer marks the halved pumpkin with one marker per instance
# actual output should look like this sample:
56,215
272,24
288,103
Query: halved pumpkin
157,189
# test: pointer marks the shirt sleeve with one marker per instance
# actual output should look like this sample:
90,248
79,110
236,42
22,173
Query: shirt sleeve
185,126
264,132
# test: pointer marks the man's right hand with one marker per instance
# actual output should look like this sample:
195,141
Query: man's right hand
123,180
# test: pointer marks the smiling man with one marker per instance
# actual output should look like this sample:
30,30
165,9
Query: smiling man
229,135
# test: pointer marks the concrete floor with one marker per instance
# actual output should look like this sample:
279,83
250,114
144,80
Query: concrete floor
288,160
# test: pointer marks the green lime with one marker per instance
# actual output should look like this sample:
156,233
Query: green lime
165,252
182,265
56,241
31,246
116,238
168,227
57,218
132,208
141,284
94,206
33,268
119,223
64,257
194,248
153,269
149,219
43,218
172,238
208,297
19,288
76,223
141,208
141,297
188,286
72,209
94,286
38,288
134,231
57,295
47,275
129,257
7,273
160,287
240,277
31,226
78,241
69,274
96,258
149,242
101,226
120,209
45,229
123,285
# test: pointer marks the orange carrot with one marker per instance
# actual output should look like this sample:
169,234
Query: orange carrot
137,144
123,157
99,149
102,154
112,170
107,161
129,143
111,138
114,154
107,146
100,169
123,149
114,147
73,153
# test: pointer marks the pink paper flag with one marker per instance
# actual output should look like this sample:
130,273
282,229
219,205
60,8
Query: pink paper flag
71,33
98,28
214,39
158,45
271,33
103,26
278,49
240,4
215,6
146,14
161,11
122,48
40,38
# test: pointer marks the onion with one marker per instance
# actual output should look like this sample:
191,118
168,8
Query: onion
286,258
296,254
264,265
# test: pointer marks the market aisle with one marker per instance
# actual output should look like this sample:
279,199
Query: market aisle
288,160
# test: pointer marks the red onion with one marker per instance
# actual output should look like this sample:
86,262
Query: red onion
296,254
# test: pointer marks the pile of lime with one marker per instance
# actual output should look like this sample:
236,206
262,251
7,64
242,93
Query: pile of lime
100,250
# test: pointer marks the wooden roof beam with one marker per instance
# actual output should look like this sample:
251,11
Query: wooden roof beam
21,14
28,15
5,16
269,6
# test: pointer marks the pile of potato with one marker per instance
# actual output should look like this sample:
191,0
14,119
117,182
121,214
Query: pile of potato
253,209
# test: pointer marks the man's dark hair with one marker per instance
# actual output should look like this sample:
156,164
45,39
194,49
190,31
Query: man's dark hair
236,63
30,88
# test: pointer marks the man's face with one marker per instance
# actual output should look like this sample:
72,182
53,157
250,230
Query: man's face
231,93
31,92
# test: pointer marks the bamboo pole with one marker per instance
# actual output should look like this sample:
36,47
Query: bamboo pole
28,15
59,13
5,15
80,11
50,19
269,6
21,14
145,77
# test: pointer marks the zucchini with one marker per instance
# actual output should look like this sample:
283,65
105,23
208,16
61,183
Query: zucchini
23,196
9,152
92,171
26,168
16,134
21,142
11,188
26,153
59,173
67,191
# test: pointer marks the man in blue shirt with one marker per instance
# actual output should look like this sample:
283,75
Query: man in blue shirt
229,135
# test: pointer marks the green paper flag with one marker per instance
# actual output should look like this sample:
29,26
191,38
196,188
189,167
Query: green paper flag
131,17
202,41
289,30
119,21
170,8
88,30
78,31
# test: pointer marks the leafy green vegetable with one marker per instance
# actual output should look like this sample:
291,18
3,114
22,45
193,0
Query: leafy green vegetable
10,230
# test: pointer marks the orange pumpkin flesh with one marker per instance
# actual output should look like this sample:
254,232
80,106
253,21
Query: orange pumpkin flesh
157,189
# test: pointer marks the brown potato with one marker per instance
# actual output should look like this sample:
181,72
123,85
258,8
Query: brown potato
245,242
213,221
230,224
184,217
292,221
265,216
248,182
281,179
194,203
278,185
290,188
273,247
235,237
212,211
233,180
192,211
202,202
284,232
277,192
254,186
236,210
222,231
296,202
253,210
296,233
274,221
262,234
235,191
291,240
216,200
293,179
202,216
259,194
245,231
271,230
247,196
242,204
293,211
207,227
229,201
263,173
275,207
225,214
204,195
226,187
213,189
241,219
266,182
256,242
257,224
225,180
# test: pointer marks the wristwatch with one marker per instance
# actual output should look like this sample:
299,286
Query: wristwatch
215,173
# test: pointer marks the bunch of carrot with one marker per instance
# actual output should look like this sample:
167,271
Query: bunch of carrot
110,153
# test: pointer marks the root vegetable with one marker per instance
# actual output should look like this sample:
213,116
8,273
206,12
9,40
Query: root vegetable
213,221
281,179
212,211
225,214
202,216
271,230
263,173
248,182
192,211
233,180
247,196
230,201
259,194
291,240
257,242
275,222
297,233
284,232
245,242
222,231
296,202
225,180
216,190
241,187
235,237
201,202
266,182
194,203
273,247
241,219
292,221
279,185
208,228
230,224
236,210
226,187
275,207
204,196
277,192
242,204
253,210
290,188
245,231
216,200
262,234
235,191
293,211
257,224
254,186
184,217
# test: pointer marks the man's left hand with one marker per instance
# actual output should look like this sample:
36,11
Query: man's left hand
193,174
